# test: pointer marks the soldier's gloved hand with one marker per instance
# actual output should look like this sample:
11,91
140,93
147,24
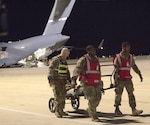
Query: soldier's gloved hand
141,78
50,79
115,84
73,83
51,84
68,82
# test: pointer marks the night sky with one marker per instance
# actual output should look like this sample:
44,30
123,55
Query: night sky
89,22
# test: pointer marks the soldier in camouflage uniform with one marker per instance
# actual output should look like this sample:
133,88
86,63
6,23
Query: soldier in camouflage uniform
58,77
88,70
123,62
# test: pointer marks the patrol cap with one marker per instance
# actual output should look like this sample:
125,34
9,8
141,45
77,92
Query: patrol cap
124,44
90,47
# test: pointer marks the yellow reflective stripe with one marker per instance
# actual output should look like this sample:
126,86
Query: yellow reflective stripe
62,69
63,66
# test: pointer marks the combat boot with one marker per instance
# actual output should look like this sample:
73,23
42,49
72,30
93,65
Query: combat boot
58,114
136,112
63,113
95,119
117,111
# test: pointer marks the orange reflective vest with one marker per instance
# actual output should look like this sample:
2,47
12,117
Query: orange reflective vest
124,67
93,75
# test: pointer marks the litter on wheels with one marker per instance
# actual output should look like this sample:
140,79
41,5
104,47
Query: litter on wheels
73,94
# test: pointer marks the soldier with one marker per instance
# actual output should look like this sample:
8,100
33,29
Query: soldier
123,62
58,77
88,70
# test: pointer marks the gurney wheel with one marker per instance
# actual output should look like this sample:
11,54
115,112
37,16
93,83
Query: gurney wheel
75,103
52,105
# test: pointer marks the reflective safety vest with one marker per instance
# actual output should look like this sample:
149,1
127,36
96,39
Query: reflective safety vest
93,75
62,68
124,67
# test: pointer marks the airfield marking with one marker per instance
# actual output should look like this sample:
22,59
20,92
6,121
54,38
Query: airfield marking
48,116
24,112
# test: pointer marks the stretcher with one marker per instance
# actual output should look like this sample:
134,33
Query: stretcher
74,94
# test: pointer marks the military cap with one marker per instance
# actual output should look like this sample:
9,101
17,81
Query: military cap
124,44
90,47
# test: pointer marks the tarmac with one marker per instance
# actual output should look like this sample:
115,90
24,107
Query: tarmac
25,92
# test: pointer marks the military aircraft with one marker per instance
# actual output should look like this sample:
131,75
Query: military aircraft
11,53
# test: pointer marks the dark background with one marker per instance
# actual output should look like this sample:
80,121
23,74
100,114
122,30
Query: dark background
89,22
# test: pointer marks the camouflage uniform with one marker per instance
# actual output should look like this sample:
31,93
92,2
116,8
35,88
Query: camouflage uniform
127,84
92,93
58,82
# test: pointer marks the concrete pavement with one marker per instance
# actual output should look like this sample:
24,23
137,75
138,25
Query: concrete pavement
24,96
